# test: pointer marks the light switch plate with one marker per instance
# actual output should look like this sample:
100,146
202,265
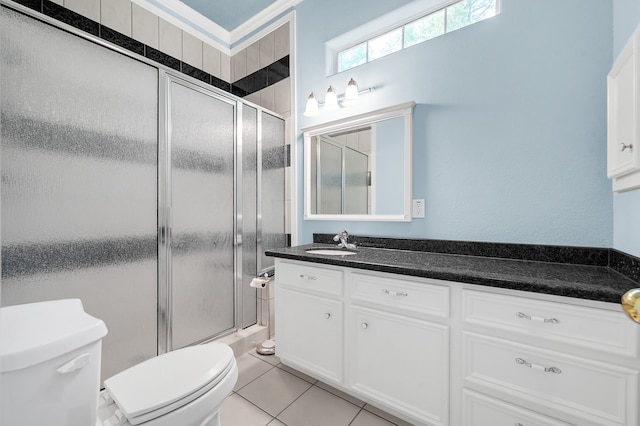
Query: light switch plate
418,208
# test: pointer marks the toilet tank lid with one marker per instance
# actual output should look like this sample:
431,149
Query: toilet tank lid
38,332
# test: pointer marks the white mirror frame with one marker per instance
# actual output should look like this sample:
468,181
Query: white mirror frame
402,110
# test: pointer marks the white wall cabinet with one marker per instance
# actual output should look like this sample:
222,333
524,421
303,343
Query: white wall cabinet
442,353
623,104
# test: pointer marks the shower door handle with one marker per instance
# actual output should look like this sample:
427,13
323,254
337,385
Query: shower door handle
166,227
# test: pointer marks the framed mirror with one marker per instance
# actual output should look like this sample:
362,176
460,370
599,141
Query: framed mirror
359,168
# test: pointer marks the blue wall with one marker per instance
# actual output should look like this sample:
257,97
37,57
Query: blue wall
626,206
510,126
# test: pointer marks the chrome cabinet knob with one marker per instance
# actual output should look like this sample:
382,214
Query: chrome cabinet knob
364,325
327,315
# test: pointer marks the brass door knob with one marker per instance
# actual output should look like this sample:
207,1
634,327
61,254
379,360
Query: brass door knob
631,304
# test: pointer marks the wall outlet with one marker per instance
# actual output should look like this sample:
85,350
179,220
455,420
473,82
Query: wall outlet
418,208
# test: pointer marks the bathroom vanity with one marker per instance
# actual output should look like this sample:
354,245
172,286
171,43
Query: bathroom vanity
446,339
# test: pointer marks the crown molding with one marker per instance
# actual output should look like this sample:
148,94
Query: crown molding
256,21
190,21
196,24
256,36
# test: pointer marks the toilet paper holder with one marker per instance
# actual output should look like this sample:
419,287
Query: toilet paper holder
268,346
261,281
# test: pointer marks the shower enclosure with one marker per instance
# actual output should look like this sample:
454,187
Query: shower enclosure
134,188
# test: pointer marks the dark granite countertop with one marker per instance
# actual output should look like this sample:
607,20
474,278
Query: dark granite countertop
592,282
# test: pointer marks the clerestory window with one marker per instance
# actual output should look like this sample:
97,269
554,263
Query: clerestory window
435,23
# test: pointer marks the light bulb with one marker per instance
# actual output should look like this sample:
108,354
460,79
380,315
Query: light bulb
351,95
311,110
331,100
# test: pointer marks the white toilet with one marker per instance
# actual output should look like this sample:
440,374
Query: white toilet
50,375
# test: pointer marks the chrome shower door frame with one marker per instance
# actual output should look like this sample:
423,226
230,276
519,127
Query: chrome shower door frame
165,216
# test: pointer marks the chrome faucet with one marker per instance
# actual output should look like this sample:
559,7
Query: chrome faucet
343,237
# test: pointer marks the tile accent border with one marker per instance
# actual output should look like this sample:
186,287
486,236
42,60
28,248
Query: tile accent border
622,263
265,77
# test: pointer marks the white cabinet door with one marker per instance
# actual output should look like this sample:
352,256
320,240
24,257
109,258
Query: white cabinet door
623,87
310,333
401,362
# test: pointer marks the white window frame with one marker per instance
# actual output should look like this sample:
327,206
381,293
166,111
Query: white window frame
380,26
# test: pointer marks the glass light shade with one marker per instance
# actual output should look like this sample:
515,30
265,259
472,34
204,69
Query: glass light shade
331,100
311,110
351,96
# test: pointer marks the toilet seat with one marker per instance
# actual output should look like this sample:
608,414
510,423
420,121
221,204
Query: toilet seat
167,382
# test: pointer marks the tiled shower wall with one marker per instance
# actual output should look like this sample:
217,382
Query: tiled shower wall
259,73
253,72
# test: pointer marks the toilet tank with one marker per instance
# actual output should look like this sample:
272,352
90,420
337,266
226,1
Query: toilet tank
49,364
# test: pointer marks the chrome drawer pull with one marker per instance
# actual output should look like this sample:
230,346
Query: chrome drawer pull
625,146
538,319
307,277
395,293
554,370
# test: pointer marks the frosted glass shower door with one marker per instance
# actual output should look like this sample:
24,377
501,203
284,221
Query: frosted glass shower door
273,162
79,182
201,142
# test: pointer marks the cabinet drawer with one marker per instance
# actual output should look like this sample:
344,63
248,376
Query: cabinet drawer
593,328
480,410
597,393
400,294
321,280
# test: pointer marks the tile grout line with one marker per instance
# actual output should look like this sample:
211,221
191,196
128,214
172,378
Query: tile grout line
315,384
356,416
254,379
292,402
259,408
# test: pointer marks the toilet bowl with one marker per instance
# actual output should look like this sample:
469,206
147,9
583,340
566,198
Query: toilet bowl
183,387
50,374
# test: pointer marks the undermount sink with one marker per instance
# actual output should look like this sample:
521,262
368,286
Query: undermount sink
331,252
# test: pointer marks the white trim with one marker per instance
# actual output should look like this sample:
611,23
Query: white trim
404,109
259,19
293,133
189,20
263,32
191,17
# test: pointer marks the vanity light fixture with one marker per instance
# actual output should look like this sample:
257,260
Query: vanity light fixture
350,97
331,100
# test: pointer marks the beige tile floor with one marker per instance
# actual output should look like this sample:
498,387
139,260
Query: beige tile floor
270,393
